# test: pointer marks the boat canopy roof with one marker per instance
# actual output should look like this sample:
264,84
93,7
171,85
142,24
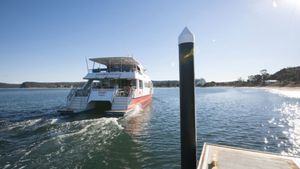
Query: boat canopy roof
115,61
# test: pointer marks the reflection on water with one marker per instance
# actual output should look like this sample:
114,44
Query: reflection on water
290,120
136,122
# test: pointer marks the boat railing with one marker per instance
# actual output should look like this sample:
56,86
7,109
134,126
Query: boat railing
105,70
97,70
78,92
102,90
71,94
82,92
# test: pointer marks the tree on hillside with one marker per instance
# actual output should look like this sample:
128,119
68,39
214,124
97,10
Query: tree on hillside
240,79
240,82
263,72
264,75
200,82
255,79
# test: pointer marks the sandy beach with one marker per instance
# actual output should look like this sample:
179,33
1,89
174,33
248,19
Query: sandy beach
293,92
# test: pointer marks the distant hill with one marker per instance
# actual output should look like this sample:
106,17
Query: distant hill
51,85
289,77
42,85
175,83
291,74
7,85
166,83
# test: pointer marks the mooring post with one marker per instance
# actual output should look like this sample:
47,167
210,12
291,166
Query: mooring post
187,100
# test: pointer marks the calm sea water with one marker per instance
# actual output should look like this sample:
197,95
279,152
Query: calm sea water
34,135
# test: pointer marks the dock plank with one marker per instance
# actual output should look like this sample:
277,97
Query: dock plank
223,157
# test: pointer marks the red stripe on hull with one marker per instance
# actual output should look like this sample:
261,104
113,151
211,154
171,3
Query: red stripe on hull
143,101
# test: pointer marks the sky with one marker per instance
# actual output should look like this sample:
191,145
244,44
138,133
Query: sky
48,40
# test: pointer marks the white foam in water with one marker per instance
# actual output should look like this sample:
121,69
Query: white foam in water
24,124
280,125
115,121
89,124
53,121
266,140
93,132
83,130
32,122
271,121
136,112
285,133
6,166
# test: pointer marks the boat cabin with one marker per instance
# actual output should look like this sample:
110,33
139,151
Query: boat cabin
116,64
124,75
113,83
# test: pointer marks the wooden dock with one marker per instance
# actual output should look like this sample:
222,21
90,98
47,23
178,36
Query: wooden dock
224,157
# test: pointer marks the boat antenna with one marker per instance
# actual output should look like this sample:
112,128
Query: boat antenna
87,66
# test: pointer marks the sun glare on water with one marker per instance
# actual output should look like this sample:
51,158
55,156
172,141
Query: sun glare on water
291,119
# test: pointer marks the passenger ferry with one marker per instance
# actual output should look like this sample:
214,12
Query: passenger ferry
114,84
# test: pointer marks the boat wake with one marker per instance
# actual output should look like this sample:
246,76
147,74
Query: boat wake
44,141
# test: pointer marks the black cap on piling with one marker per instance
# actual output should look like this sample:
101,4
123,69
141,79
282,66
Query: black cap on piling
187,100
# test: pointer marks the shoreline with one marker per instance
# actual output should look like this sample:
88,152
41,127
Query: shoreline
293,92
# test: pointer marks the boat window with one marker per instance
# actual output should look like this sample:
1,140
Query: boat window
96,70
140,84
138,69
103,84
123,83
148,84
133,84
96,85
115,68
120,68
127,68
